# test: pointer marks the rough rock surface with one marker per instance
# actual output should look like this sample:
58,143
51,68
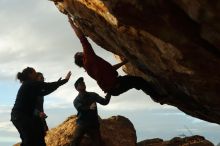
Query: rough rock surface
115,131
177,141
173,44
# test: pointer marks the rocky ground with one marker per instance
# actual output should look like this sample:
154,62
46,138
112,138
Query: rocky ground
116,131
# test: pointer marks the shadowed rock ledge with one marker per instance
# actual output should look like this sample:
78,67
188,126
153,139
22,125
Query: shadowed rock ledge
173,44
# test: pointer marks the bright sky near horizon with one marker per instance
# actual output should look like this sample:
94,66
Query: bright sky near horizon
34,33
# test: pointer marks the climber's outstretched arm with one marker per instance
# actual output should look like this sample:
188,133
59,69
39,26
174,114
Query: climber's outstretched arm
78,32
117,66
87,48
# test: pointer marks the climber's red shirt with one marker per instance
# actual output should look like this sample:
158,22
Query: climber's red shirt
97,68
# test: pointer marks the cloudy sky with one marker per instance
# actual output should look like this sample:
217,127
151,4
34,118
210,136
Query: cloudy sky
33,33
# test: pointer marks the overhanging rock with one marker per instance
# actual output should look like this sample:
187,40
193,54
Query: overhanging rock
173,44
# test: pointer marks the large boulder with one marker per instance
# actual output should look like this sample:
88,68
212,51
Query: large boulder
115,131
173,44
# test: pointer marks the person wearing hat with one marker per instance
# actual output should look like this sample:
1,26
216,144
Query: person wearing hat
87,116
106,74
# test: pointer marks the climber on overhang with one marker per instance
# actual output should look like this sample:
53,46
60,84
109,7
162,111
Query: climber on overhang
106,74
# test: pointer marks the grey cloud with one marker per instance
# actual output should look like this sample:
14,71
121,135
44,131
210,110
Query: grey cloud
38,35
36,39
41,37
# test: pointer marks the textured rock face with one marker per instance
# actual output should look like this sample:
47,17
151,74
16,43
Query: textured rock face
187,141
173,44
115,131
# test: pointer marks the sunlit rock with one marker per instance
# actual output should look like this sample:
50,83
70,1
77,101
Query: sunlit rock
115,131
173,44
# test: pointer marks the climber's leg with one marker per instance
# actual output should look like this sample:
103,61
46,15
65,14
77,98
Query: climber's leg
78,135
126,83
154,92
95,135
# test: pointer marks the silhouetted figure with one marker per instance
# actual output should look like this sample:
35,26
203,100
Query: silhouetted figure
22,115
87,116
106,74
40,117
